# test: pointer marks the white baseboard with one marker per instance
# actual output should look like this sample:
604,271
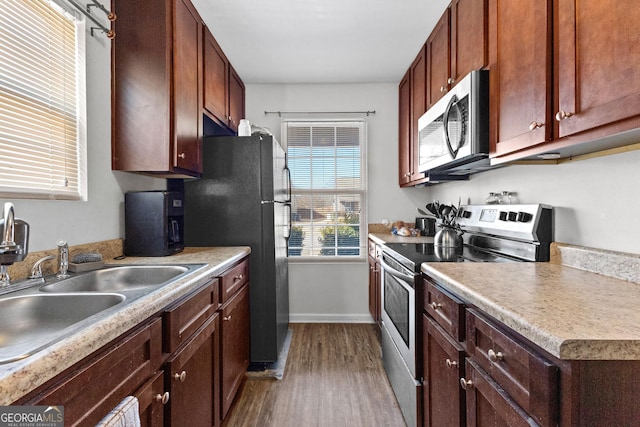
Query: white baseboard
330,318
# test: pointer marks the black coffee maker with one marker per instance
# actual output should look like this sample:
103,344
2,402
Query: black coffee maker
154,223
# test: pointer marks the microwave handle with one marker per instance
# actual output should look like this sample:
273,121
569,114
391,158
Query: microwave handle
445,128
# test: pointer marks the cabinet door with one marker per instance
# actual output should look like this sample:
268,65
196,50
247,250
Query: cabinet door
216,80
152,399
190,379
187,87
236,99
469,38
487,403
520,77
404,130
234,346
598,57
443,398
418,108
438,60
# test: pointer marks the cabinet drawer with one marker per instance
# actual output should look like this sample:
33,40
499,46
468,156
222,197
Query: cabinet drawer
183,318
530,379
233,279
445,309
97,386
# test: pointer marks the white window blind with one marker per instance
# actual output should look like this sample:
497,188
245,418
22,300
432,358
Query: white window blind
327,161
42,101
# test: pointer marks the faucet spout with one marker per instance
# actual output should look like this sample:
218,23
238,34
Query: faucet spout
8,231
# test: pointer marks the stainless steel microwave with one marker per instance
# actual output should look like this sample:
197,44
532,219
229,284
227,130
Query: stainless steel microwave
453,134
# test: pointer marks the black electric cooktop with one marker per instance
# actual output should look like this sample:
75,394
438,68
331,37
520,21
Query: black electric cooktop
413,254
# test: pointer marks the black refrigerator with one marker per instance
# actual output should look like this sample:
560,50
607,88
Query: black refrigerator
243,199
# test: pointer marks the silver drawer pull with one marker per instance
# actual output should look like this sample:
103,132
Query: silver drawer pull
493,356
451,363
238,277
465,384
227,318
435,305
180,376
535,125
163,398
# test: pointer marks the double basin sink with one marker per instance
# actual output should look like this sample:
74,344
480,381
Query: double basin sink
37,317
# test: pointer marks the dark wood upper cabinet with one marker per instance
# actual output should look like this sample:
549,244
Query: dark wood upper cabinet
404,130
598,65
236,99
187,82
556,85
418,108
223,87
438,60
216,80
155,57
469,38
520,76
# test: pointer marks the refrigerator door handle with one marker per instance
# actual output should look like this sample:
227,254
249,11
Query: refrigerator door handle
288,182
270,202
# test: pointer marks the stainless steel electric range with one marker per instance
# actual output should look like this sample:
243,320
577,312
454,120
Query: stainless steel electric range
492,233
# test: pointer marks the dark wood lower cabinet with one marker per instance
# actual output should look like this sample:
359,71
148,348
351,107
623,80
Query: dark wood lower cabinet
234,348
488,404
443,398
91,389
152,400
191,379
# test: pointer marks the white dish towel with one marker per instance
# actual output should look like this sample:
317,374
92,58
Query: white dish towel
126,414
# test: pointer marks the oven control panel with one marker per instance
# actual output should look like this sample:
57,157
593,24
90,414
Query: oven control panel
531,222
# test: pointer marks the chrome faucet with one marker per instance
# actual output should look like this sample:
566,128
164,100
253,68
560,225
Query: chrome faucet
36,270
63,260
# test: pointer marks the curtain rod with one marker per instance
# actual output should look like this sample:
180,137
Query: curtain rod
110,16
280,113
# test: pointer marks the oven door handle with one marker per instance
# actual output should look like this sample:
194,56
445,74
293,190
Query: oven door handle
395,272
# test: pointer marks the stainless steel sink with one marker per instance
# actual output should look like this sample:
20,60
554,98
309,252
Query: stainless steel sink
29,323
118,279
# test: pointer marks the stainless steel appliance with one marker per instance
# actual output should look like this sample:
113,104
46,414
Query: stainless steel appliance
153,223
493,233
454,133
243,199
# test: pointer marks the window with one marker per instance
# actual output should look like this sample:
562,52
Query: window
327,162
42,101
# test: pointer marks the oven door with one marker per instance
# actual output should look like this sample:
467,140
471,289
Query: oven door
398,312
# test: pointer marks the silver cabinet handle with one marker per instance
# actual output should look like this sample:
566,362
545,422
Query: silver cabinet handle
493,356
435,305
535,125
182,156
561,115
465,383
180,376
450,80
451,363
227,318
163,398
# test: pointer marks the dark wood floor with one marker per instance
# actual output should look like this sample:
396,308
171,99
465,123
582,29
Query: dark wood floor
333,377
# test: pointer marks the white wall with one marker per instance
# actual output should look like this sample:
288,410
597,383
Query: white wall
596,201
102,216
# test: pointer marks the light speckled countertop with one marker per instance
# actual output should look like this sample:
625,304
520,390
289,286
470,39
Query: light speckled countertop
569,312
19,378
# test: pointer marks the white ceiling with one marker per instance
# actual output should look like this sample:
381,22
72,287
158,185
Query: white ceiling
321,41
